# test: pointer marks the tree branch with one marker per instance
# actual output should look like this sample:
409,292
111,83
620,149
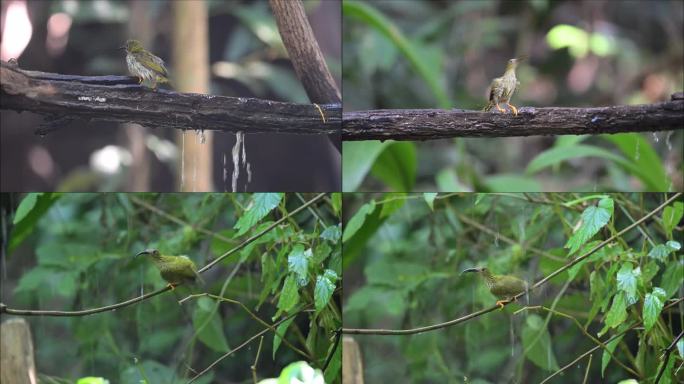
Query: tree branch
429,124
306,56
30,312
63,98
536,285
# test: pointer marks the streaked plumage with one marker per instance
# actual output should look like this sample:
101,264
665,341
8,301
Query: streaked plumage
144,65
502,88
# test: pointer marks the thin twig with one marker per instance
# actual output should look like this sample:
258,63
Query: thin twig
586,371
256,360
666,356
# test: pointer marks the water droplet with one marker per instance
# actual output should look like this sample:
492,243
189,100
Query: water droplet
667,140
655,137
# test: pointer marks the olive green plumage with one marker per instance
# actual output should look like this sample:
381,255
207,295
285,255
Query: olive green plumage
504,287
147,67
502,88
174,269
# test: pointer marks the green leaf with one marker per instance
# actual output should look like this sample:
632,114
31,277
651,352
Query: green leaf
356,222
289,296
593,219
336,199
557,155
653,305
397,165
605,359
325,286
541,352
298,263
627,282
28,214
208,325
617,313
661,251
644,162
282,330
672,280
672,214
430,199
447,181
260,206
357,160
332,233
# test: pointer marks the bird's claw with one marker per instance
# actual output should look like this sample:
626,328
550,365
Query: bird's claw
513,109
500,303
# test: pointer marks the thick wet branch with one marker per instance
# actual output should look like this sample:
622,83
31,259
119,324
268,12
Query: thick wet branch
429,124
63,98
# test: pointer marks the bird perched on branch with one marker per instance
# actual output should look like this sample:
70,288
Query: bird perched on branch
502,88
504,287
147,67
174,269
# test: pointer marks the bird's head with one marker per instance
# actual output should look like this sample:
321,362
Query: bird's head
513,63
133,46
149,252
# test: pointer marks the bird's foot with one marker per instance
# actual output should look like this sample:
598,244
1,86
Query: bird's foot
500,303
513,108
173,286
500,109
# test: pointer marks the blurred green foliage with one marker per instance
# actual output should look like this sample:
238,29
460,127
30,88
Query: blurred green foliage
403,254
75,251
443,54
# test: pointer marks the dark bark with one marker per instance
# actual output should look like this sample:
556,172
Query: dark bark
429,124
307,58
63,98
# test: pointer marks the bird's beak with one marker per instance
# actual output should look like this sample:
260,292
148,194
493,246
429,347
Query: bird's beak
145,252
521,58
470,270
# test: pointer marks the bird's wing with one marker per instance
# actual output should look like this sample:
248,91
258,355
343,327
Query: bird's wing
187,267
495,90
153,62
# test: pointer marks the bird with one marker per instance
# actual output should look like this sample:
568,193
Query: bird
504,287
144,65
502,88
174,269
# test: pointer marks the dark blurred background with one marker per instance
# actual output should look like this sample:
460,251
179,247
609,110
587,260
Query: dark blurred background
247,59
581,54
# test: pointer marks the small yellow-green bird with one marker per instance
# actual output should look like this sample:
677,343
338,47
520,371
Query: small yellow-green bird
502,88
144,65
504,287
174,269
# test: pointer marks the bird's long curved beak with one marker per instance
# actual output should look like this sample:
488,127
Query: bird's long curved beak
145,252
521,58
470,270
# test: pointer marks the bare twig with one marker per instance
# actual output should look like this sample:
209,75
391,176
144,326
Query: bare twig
666,356
63,98
428,124
356,331
256,360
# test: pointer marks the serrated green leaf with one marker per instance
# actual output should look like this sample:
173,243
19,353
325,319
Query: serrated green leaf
332,233
617,313
672,214
661,251
653,305
593,219
627,282
260,206
289,296
298,263
324,289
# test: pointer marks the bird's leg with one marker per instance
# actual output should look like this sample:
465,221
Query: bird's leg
500,109
173,286
320,111
513,108
500,303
